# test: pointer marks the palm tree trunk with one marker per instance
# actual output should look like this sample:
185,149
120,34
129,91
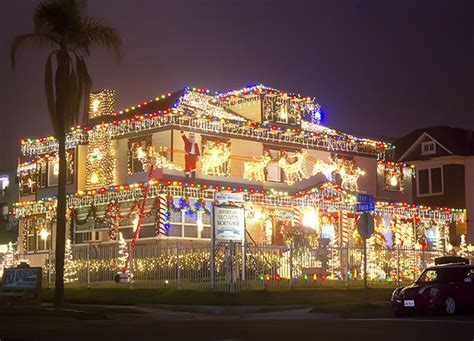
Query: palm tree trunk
61,219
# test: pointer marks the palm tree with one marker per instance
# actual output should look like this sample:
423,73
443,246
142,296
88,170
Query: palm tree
62,27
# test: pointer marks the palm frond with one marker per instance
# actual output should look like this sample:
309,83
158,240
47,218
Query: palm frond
29,40
96,32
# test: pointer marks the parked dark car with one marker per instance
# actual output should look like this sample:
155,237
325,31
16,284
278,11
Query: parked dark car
444,288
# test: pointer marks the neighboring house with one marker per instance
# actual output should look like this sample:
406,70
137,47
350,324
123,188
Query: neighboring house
8,196
260,142
443,158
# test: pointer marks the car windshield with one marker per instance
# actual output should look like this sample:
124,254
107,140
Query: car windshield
443,275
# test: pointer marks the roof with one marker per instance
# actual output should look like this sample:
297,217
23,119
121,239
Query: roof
199,105
457,140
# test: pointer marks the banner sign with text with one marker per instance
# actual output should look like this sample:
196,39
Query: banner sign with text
21,278
229,223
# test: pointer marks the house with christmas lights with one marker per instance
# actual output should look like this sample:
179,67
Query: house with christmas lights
151,173
443,161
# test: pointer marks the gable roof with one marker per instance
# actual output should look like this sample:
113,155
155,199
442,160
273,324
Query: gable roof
457,141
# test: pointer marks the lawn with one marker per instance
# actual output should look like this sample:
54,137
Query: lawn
125,296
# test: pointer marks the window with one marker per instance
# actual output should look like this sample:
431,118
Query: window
282,110
273,169
42,171
184,224
428,148
4,182
274,172
4,211
53,172
430,181
48,171
134,163
35,241
28,182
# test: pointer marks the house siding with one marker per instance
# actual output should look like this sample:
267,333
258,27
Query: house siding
453,188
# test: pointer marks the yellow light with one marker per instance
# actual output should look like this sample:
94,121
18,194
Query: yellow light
94,178
135,222
283,113
95,105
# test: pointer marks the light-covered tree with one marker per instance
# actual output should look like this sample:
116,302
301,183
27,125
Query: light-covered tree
70,269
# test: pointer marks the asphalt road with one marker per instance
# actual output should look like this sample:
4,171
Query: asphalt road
148,324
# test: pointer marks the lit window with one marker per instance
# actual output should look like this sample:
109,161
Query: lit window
134,163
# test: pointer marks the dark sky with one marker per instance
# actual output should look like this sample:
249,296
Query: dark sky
378,68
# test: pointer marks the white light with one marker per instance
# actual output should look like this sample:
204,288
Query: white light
56,168
310,218
199,223
393,181
135,222
4,182
44,234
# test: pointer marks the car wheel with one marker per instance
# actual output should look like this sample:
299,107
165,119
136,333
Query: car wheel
449,305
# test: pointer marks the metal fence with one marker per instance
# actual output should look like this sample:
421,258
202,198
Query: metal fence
237,267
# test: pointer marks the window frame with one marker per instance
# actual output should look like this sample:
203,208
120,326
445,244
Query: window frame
281,151
429,151
430,183
132,161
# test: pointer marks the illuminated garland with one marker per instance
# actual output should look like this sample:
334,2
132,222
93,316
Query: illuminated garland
184,205
202,104
199,105
34,147
104,196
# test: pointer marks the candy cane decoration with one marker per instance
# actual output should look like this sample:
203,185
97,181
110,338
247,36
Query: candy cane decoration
344,229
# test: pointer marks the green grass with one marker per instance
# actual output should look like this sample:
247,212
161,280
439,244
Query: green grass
125,296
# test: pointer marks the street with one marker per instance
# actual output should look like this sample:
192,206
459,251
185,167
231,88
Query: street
123,323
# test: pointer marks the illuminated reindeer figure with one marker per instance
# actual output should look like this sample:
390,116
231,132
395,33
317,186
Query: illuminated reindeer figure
349,179
327,169
349,174
294,167
345,168
255,170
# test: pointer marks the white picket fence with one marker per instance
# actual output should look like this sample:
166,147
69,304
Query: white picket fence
184,265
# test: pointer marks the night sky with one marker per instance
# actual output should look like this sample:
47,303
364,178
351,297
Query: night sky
378,68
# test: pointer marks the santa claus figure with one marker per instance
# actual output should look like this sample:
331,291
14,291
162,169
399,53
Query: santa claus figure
191,154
